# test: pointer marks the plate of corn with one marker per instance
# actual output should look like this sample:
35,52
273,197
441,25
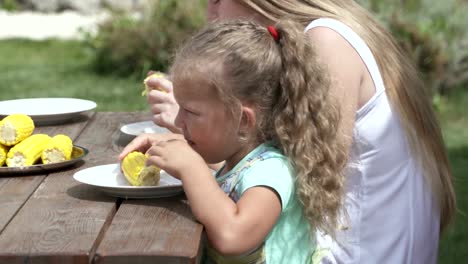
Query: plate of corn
78,153
47,110
22,151
111,180
135,129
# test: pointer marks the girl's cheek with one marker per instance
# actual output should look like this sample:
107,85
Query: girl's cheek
179,120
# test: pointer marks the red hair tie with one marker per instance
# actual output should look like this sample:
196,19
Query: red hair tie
273,32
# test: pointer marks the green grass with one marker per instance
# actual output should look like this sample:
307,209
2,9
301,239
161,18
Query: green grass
61,69
454,243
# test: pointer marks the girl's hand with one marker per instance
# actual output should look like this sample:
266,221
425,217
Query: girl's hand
176,157
162,103
144,141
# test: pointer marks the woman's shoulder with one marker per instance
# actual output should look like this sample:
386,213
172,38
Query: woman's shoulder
332,34
325,38
336,46
337,51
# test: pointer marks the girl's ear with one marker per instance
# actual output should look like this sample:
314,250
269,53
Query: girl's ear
248,119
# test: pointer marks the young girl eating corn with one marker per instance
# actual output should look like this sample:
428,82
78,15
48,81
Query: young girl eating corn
255,98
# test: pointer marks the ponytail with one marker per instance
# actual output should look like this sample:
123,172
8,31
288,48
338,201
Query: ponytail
306,121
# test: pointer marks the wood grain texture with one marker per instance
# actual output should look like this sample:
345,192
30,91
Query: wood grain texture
63,221
16,189
157,231
54,219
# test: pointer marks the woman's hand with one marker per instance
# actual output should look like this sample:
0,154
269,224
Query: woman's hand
145,141
176,157
162,103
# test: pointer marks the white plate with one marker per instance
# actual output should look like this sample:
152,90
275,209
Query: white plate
47,110
135,129
78,154
111,181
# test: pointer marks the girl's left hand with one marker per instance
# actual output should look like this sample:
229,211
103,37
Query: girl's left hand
175,156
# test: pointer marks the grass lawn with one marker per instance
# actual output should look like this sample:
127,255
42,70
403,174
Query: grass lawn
454,118
60,69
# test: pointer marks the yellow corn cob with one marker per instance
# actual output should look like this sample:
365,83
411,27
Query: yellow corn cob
15,128
137,173
154,75
28,151
3,154
58,149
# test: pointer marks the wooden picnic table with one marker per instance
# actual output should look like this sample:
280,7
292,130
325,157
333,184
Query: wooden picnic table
52,218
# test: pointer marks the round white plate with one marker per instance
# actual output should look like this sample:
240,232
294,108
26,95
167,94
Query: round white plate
135,129
47,110
78,154
109,179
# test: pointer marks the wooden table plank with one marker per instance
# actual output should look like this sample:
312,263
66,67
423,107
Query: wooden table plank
15,190
152,231
63,221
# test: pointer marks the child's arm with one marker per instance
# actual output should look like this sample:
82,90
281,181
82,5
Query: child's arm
232,228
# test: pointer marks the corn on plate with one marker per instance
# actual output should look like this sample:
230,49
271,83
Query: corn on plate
77,155
111,181
137,173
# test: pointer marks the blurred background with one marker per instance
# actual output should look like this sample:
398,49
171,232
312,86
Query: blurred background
101,50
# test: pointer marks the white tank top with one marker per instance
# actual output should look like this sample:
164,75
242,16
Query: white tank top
391,216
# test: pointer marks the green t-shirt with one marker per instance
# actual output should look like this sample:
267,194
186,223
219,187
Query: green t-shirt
290,240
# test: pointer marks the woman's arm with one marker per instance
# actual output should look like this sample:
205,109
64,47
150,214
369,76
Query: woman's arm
347,71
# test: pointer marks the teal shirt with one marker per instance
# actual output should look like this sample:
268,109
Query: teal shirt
290,240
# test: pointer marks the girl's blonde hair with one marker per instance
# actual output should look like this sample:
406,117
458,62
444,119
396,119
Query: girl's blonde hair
289,91
404,87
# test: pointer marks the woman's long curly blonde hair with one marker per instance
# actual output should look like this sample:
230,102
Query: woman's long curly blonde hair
289,90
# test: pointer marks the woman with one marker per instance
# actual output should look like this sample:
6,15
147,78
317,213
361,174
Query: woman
399,193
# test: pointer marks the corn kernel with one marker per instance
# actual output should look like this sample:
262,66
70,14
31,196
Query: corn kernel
28,151
15,128
137,173
3,154
58,149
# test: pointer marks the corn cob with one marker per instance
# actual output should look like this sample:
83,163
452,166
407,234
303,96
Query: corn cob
3,154
58,149
137,173
28,151
147,88
15,128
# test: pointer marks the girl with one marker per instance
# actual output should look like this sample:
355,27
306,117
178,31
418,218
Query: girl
256,99
398,173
